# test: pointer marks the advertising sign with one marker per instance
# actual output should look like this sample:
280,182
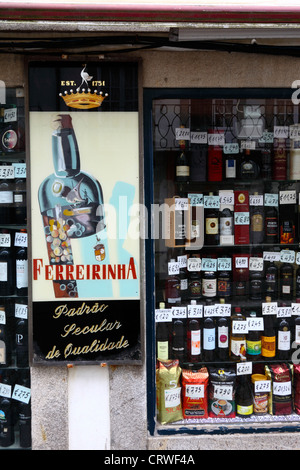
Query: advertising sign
84,185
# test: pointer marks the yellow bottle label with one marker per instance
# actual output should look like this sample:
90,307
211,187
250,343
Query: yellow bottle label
244,410
268,346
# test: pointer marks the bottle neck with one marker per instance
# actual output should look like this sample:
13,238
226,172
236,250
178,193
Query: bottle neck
66,158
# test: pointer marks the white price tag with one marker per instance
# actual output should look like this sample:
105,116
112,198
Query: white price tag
241,262
21,393
172,397
179,312
195,311
5,240
282,388
196,199
7,172
271,256
209,310
269,308
198,137
267,137
271,200
256,200
10,115
287,197
194,391
223,391
287,256
5,390
21,311
182,260
21,239
261,386
248,144
256,263
239,326
244,368
182,133
255,323
211,202
281,132
241,218
231,148
222,310
194,264
163,315
173,268
181,204
226,198
284,312
2,317
209,264
295,309
216,139
224,264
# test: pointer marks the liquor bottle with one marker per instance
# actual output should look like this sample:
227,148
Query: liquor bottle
223,338
253,340
284,340
215,161
271,280
256,223
286,281
21,335
193,340
266,160
7,284
271,225
244,397
178,340
19,198
3,345
24,418
7,434
240,280
296,337
237,339
256,286
162,338
280,160
230,167
211,224
184,284
172,288
294,160
198,159
249,169
226,227
224,288
6,195
71,203
182,163
195,286
209,339
268,338
287,216
21,266
209,284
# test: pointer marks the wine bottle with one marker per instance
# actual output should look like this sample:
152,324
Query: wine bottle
193,340
21,266
19,195
286,281
284,340
209,339
271,225
249,168
182,163
244,397
237,336
173,288
209,284
162,338
271,280
24,415
21,336
224,284
287,216
280,160
253,340
215,161
256,223
211,224
7,434
268,339
255,285
7,284
266,159
178,340
223,338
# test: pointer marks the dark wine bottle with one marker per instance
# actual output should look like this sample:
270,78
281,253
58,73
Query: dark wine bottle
244,397
178,340
193,340
22,343
7,284
21,271
284,340
209,339
223,338
24,415
7,434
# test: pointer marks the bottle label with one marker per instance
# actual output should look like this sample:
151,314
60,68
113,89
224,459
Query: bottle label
162,350
297,334
22,273
257,223
268,346
244,410
212,226
284,340
209,339
226,225
209,287
3,272
230,168
253,347
195,343
6,197
238,347
182,171
223,336
271,226
2,352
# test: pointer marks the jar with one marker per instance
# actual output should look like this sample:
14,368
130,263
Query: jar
260,399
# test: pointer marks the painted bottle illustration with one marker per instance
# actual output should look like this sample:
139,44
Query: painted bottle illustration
71,203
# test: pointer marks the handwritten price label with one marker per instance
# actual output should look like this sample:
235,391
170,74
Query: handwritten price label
287,256
271,200
20,239
226,198
194,264
216,139
194,391
21,311
5,390
209,264
211,202
179,312
241,218
267,137
239,326
195,311
244,368
281,132
271,256
224,264
21,393
7,172
163,315
223,391
173,267
172,397
196,199
5,240
255,324
198,137
284,312
262,386
248,144
181,204
295,309
256,200
287,197
256,263
269,308
282,388
241,262
19,170
2,317
231,148
182,133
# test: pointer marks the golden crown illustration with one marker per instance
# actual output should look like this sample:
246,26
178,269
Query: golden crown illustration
83,99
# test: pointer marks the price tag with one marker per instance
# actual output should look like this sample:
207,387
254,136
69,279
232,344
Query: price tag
178,312
223,391
19,170
267,137
261,386
255,323
181,204
295,309
281,132
231,148
172,397
5,240
269,308
294,132
182,260
287,197
209,310
21,393
194,391
298,257
20,239
287,256
21,311
163,315
182,133
209,264
222,310
271,200
239,326
198,137
226,198
256,200
248,144
224,264
7,172
216,139
195,311
173,268
241,218
2,317
256,263
194,264
211,202
196,199
241,262
271,256
284,312
10,115
5,390
282,388
244,368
